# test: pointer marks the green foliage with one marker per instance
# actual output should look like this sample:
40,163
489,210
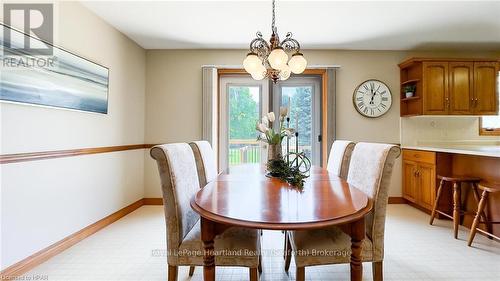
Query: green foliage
302,104
243,113
410,88
288,172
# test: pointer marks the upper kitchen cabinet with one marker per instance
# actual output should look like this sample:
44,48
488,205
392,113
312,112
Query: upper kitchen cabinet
449,87
485,91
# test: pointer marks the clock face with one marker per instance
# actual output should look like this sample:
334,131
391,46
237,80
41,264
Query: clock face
372,98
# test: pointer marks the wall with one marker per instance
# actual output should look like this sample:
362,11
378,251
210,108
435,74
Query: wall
424,130
174,105
45,201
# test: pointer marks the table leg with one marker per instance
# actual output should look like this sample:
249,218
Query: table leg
357,236
207,236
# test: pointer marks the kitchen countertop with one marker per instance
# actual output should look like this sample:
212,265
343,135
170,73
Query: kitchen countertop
468,149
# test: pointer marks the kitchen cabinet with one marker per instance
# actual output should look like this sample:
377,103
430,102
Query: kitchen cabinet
449,87
419,177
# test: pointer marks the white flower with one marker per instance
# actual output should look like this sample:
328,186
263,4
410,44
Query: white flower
261,128
290,132
271,116
265,121
283,111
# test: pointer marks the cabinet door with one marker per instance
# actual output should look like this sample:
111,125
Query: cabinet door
435,94
485,88
409,181
461,87
426,175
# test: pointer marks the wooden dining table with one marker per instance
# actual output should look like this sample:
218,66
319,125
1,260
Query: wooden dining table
244,196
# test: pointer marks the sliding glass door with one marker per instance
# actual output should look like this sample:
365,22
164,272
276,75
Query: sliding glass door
243,101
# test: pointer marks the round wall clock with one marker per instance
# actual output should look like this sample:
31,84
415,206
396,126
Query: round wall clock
372,98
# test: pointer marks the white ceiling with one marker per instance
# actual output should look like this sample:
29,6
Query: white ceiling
369,25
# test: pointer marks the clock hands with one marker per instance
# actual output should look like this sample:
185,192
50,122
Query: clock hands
373,93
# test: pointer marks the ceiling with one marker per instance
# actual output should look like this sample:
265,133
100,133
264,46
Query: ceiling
369,25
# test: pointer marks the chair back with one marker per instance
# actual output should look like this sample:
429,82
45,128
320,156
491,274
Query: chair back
339,158
205,161
370,170
179,182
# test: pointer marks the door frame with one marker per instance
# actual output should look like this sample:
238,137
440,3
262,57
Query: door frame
322,72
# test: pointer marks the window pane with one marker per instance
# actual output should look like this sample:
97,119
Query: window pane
301,106
244,104
493,122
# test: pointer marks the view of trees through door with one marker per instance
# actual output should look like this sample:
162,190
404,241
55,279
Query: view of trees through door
243,103
244,112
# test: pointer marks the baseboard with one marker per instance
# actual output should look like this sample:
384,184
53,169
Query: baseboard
23,266
153,201
397,200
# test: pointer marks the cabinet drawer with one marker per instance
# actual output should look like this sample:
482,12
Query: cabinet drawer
419,156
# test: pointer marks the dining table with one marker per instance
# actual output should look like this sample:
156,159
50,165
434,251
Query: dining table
244,196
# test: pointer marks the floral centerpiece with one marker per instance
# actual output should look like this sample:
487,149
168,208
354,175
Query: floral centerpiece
273,137
294,172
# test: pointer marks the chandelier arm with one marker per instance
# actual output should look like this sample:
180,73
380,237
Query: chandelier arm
260,47
290,44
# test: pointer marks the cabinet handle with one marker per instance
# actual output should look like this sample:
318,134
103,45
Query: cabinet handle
447,102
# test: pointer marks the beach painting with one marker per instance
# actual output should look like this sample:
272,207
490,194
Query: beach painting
63,80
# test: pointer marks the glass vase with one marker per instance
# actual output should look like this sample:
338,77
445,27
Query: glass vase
274,151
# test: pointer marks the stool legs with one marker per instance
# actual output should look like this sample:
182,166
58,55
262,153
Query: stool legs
456,208
477,219
483,213
434,208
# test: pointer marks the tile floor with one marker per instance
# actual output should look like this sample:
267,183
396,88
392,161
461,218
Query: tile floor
132,249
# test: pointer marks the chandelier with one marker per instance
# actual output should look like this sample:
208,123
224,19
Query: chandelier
271,59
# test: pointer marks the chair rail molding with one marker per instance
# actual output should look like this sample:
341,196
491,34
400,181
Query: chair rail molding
41,155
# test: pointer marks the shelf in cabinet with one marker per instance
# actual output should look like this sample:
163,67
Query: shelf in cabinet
410,98
410,81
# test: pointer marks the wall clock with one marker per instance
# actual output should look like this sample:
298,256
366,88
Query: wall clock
372,98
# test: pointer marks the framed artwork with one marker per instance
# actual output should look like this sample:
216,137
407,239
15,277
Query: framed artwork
63,80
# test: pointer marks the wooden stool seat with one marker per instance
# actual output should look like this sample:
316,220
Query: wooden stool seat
491,187
456,181
459,178
487,188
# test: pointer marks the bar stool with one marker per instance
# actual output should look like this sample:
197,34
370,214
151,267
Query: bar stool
456,182
487,188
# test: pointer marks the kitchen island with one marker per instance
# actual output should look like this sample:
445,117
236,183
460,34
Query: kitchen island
422,164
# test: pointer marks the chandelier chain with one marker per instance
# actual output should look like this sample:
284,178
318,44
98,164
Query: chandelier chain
273,25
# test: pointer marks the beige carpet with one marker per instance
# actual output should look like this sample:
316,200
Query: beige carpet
133,249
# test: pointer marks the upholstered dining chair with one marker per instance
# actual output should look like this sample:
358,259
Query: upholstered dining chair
370,171
205,161
179,183
340,157
338,164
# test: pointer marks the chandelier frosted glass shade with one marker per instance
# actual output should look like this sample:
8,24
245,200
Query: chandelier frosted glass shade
285,72
259,73
277,58
297,63
251,63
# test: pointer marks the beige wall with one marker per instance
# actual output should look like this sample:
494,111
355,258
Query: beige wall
173,96
45,201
